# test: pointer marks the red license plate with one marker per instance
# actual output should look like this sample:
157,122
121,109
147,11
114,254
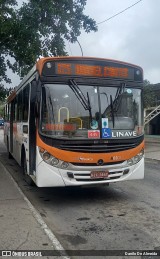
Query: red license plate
99,174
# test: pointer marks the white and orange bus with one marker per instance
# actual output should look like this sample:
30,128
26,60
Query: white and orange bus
77,121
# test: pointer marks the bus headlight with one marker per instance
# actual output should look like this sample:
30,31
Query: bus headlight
136,159
54,161
64,165
51,160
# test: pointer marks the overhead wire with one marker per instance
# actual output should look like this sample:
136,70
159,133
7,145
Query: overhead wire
119,13
110,19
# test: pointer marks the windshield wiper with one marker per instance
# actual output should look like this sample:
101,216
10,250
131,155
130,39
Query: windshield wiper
89,108
117,100
81,97
112,109
118,97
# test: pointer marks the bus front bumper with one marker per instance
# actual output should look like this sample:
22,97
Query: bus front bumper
49,176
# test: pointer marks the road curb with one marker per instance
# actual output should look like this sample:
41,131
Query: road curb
56,244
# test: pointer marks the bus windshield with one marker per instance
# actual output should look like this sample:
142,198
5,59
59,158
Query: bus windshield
72,111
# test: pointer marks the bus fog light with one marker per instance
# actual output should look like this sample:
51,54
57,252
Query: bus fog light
64,165
126,171
70,175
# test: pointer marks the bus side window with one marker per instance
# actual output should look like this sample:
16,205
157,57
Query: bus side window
5,112
25,103
15,109
19,107
9,111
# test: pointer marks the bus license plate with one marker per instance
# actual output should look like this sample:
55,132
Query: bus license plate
99,174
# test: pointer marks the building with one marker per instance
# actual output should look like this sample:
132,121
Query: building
152,114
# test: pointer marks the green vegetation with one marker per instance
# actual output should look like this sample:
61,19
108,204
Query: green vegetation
149,95
3,94
1,109
38,28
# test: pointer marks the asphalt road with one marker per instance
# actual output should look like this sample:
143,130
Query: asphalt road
122,216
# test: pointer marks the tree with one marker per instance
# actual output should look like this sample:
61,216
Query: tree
149,95
4,93
38,28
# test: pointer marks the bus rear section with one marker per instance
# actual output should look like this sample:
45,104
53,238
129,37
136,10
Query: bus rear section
85,122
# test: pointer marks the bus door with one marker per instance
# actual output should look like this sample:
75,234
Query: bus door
32,128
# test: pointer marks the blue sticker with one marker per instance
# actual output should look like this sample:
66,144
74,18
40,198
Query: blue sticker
106,133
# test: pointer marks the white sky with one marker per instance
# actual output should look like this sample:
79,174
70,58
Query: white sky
133,36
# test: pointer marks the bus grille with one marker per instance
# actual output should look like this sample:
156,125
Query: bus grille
95,164
94,148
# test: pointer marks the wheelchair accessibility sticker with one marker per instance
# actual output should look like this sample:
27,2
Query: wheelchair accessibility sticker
106,133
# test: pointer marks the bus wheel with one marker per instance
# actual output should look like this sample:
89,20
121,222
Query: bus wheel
27,178
8,153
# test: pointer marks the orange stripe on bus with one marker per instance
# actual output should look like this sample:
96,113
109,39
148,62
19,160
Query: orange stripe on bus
70,156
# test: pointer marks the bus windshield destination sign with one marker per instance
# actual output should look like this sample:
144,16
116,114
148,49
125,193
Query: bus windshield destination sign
87,69
92,70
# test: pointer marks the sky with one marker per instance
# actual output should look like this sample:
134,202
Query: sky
133,36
